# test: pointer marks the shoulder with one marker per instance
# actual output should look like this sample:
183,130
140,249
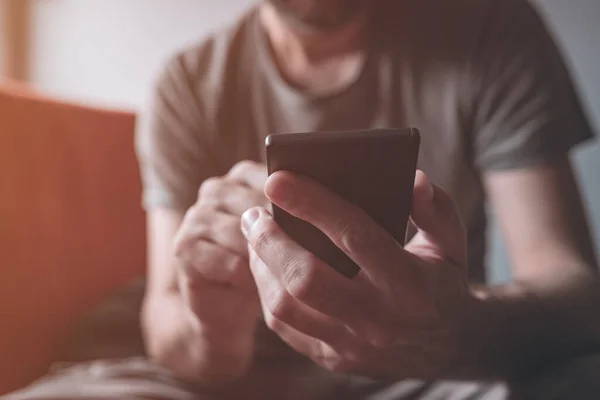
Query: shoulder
469,15
458,27
203,67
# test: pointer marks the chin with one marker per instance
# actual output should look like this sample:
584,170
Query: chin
320,14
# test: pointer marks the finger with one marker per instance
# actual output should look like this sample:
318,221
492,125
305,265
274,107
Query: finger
230,196
202,295
250,173
436,217
308,279
203,223
304,343
316,350
350,228
282,307
202,261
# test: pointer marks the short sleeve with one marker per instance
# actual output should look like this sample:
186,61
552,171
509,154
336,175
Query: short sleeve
174,140
526,109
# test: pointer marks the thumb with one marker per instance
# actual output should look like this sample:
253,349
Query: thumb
436,218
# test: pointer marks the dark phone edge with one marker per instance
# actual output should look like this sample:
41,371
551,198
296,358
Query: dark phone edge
286,138
335,136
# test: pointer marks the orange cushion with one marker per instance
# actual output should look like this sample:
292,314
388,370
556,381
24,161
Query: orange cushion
71,224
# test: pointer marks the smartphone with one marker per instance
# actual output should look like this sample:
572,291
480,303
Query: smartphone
373,169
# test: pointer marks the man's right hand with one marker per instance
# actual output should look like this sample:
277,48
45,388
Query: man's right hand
211,261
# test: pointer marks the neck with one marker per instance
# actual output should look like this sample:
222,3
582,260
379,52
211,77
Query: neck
314,60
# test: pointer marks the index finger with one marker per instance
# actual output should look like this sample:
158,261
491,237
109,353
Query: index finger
307,280
249,173
348,226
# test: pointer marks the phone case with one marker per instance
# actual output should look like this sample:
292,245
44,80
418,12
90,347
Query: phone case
373,169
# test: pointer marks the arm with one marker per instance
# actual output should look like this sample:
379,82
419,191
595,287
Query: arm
200,310
175,342
178,342
413,313
527,118
549,311
162,301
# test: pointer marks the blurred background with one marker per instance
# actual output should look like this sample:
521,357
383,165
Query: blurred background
106,52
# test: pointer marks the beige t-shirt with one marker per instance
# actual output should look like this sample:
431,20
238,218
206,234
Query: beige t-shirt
481,79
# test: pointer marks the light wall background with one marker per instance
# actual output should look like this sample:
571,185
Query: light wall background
107,51
14,34
4,37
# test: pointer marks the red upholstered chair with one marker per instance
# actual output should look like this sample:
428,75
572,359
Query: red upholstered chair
71,224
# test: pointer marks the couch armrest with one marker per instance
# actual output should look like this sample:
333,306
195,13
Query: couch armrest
71,224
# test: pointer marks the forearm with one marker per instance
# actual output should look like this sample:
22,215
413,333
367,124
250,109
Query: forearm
519,328
175,339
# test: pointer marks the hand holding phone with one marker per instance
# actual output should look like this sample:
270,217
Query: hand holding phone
407,313
373,169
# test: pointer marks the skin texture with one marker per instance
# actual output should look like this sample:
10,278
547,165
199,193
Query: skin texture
196,261
435,326
415,314
404,300
316,62
319,15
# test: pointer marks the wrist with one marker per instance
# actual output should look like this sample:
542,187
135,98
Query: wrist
220,362
228,336
505,331
184,345
460,346
205,355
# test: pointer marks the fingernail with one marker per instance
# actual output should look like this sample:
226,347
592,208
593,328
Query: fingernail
249,218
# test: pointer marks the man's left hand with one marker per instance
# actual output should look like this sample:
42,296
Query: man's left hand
400,317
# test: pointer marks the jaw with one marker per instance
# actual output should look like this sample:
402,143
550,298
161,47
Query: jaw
319,15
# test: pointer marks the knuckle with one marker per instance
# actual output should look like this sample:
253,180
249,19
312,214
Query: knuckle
301,277
197,225
188,218
380,337
204,212
191,278
272,323
187,244
238,269
184,257
227,225
332,360
280,305
335,364
186,268
357,238
263,231
260,239
241,168
179,249
211,187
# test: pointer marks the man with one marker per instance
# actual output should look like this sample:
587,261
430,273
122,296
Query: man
484,83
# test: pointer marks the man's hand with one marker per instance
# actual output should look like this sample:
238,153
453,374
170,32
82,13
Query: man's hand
211,257
398,318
